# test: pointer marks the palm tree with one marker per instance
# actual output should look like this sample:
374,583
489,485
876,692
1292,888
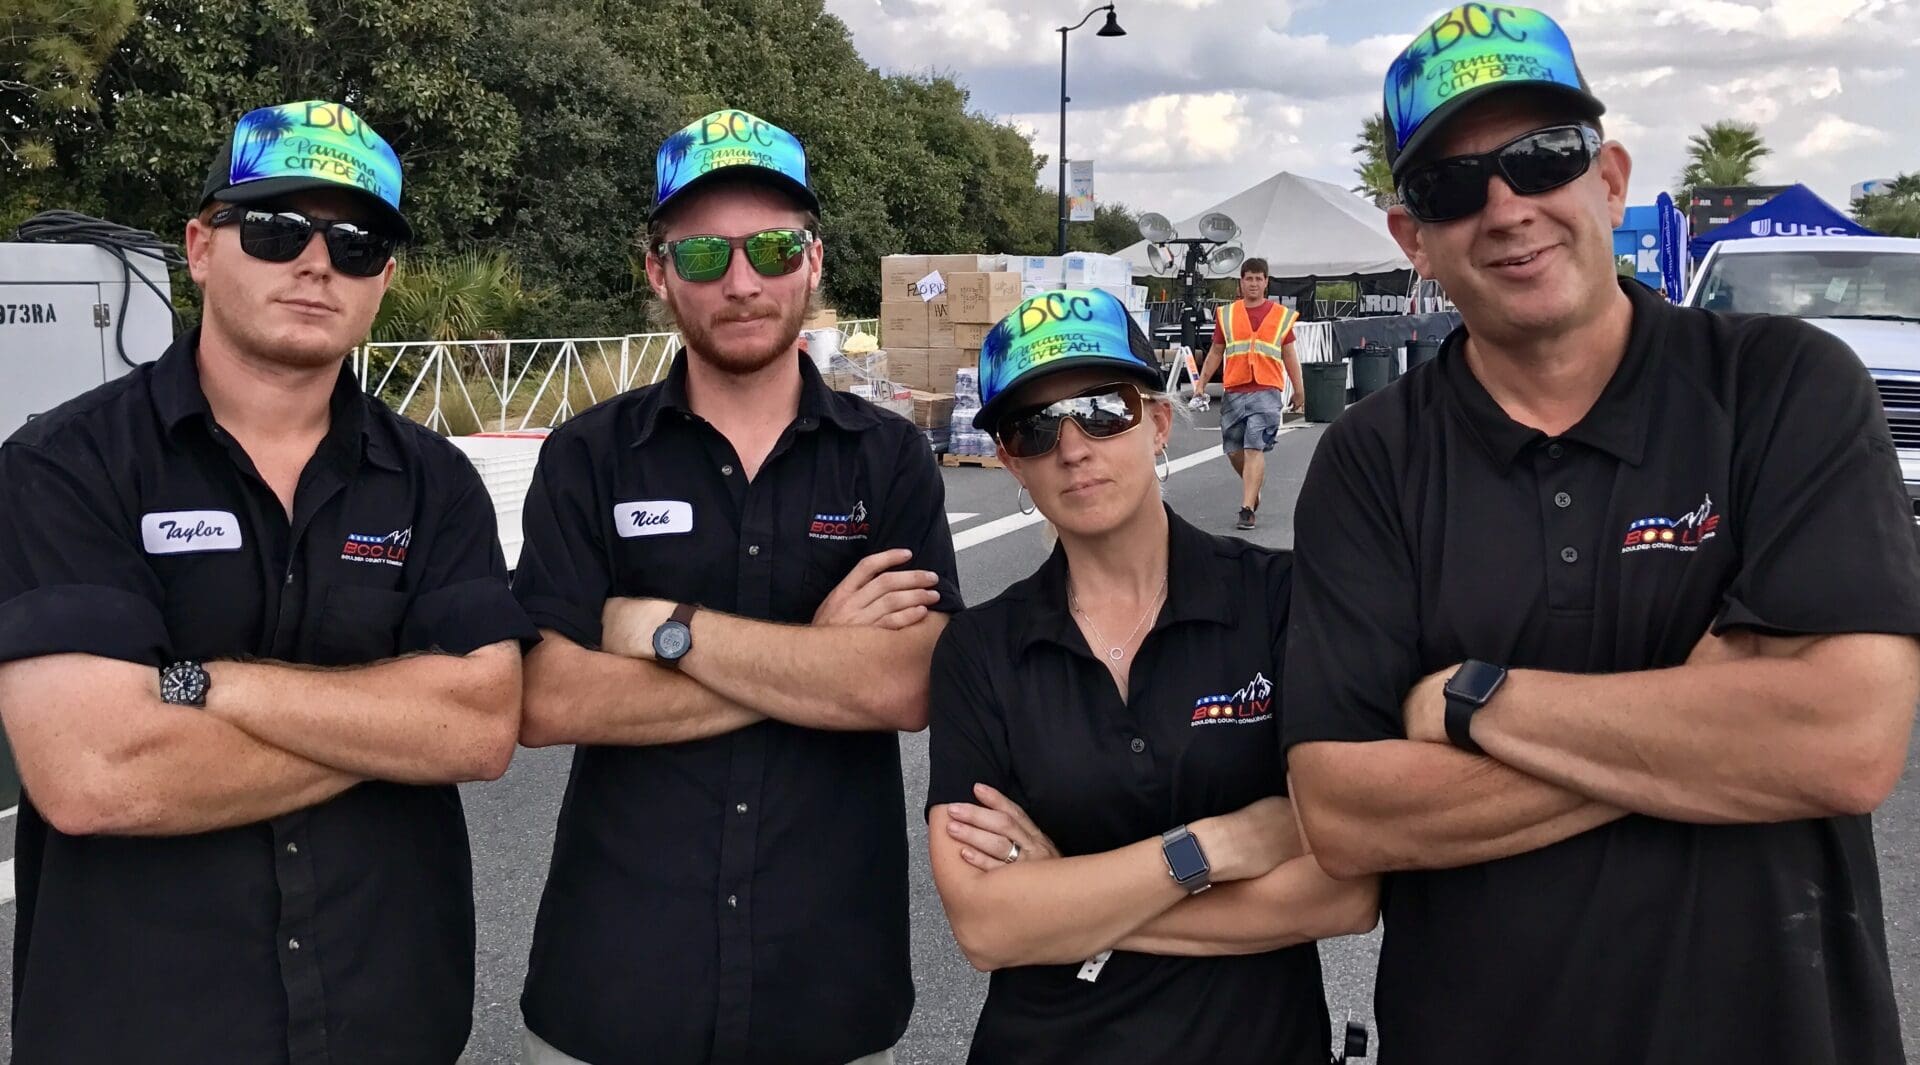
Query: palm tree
1376,177
1724,153
1894,210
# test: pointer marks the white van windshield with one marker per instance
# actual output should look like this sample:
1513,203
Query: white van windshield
1815,284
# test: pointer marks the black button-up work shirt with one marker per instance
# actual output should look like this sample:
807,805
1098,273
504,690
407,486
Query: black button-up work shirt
1019,702
133,527
741,898
1736,473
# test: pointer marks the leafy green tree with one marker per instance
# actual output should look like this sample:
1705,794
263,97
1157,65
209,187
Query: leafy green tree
1376,176
187,69
51,52
1893,211
1722,153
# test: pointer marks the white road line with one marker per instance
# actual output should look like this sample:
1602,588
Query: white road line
6,881
8,812
956,519
1013,523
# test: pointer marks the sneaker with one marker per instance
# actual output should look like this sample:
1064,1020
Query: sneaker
1246,518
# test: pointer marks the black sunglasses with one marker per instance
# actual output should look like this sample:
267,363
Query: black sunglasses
280,237
1102,412
1541,161
771,252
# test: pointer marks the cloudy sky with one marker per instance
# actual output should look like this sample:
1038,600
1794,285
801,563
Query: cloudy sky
1203,98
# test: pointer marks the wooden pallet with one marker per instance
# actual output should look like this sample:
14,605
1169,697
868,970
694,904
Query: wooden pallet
984,462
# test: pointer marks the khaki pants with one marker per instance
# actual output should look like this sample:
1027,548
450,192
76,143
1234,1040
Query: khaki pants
536,1051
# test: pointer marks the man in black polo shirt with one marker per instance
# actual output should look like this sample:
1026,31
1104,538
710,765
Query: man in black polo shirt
1672,551
253,853
732,644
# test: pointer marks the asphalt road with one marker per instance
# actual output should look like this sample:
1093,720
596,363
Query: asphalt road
512,819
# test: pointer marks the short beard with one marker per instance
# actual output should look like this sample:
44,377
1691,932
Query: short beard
737,362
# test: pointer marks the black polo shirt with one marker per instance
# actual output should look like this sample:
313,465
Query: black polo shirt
1020,703
741,898
133,527
1736,473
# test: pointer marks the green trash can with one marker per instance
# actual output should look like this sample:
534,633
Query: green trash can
1326,389
1422,351
1370,370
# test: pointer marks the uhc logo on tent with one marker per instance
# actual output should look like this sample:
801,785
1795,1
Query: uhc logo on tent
1767,227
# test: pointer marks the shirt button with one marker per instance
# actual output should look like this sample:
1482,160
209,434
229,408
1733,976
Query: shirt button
289,576
293,944
1138,746
293,848
1562,500
754,550
1555,451
740,808
733,901
726,471
1569,555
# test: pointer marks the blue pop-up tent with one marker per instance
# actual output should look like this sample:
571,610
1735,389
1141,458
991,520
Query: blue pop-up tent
1796,212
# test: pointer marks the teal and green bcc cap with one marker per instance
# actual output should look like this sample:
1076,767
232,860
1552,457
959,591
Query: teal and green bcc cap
1058,331
312,144
731,142
1470,51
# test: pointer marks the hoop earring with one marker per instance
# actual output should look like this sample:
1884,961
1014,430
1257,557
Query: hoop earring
1163,466
1023,501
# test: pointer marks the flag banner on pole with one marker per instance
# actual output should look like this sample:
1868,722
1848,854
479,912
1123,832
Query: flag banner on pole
1079,190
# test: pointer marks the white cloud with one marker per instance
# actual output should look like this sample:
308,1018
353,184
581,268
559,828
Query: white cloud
1835,134
1204,97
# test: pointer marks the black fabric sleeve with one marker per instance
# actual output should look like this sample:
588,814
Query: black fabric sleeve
916,519
1824,525
1352,649
73,576
564,578
462,601
967,735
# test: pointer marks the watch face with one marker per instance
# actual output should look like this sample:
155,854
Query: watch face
1185,859
672,641
1476,681
184,684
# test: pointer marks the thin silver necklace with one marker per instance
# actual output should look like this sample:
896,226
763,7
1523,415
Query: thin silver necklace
1115,653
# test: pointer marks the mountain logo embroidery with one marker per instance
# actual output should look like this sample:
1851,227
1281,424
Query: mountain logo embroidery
852,525
389,549
1685,534
1248,706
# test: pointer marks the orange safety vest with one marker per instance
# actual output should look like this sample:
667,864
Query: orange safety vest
1253,357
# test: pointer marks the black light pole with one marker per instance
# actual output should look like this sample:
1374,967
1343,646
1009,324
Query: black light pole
1111,29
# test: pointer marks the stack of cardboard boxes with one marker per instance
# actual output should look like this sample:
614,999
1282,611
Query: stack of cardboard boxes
936,312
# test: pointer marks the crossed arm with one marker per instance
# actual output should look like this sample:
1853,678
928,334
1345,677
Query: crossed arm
1751,729
1044,909
102,755
861,665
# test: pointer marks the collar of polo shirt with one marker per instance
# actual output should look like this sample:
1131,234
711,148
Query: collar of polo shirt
178,398
817,401
1617,423
1194,591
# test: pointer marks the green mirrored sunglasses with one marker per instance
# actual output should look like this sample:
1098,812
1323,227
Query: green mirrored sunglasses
771,252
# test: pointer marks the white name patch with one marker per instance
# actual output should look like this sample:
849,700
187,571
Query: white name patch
653,517
181,532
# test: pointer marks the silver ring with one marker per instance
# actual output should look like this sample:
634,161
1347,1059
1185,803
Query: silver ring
1013,853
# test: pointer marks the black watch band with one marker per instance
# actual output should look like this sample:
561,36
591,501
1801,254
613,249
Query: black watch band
1466,692
1460,723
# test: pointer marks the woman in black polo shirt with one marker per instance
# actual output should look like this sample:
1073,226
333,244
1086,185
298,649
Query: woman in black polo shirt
1106,745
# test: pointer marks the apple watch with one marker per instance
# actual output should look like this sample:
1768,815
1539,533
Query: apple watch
1467,691
673,639
1186,862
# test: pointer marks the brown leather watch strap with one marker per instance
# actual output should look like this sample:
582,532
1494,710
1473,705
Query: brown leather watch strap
684,613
